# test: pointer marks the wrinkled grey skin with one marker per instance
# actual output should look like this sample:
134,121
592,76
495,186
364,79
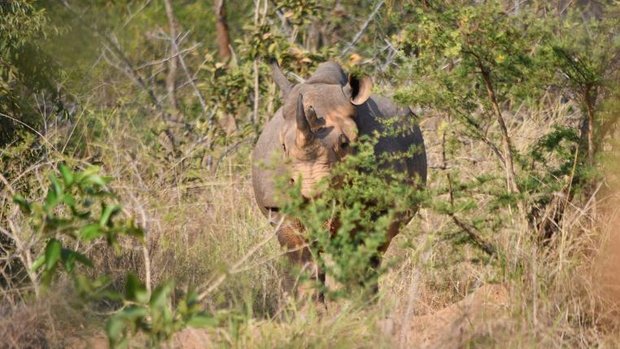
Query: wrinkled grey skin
313,130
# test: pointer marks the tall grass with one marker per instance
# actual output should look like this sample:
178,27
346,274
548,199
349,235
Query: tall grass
198,229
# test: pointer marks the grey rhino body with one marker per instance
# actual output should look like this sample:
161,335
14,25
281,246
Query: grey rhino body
310,134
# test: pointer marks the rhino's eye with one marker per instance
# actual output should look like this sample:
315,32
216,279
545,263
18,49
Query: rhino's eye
344,142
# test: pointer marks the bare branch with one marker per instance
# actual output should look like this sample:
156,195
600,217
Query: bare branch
470,231
190,79
237,266
359,34
511,181
30,129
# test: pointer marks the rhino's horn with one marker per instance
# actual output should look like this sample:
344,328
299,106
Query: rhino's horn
304,131
280,79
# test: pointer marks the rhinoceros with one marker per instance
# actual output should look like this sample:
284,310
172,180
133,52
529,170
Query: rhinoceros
319,121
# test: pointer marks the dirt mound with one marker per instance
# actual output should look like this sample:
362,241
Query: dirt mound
99,341
469,320
606,279
188,338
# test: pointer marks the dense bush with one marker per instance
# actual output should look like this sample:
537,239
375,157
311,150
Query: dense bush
27,73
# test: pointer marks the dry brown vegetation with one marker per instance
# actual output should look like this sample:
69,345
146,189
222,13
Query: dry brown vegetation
485,276
564,296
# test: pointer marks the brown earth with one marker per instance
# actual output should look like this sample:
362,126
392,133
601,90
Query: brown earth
471,319
467,320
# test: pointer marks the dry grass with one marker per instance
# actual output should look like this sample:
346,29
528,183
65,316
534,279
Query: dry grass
200,224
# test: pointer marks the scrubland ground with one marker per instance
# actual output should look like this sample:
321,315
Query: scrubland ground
431,296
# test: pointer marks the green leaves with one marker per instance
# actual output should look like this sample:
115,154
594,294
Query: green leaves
55,256
119,325
69,257
154,314
90,232
70,212
67,175
23,204
347,224
52,254
299,12
78,210
108,212
135,290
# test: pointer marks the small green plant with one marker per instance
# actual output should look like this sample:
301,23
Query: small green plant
154,314
78,210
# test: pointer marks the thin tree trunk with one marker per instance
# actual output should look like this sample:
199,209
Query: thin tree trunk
171,85
221,27
506,143
259,18
171,78
589,100
254,116
511,177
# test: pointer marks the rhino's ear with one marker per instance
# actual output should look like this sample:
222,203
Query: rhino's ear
280,79
358,89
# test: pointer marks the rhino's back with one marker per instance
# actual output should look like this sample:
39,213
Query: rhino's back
267,163
403,136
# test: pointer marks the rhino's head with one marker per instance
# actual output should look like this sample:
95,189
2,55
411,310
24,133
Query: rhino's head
319,121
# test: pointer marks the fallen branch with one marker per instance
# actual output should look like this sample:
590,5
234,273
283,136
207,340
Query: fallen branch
478,241
469,230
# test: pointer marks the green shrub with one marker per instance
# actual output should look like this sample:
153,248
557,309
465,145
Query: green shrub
346,226
78,210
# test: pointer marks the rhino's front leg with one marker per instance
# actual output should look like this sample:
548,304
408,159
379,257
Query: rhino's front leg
290,236
374,266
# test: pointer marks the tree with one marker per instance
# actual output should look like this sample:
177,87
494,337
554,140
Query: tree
25,69
221,27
